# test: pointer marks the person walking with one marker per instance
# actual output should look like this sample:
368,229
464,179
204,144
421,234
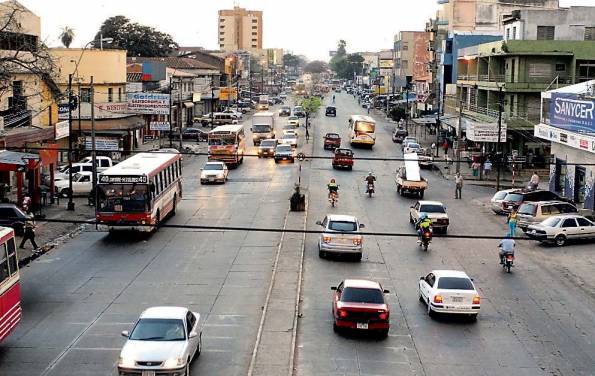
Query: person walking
458,186
487,168
534,182
307,135
29,234
512,222
445,147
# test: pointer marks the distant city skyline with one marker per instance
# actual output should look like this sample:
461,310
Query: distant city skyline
312,29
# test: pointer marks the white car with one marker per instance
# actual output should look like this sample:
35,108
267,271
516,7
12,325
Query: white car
292,132
436,212
163,341
559,229
449,291
341,236
294,121
289,139
213,172
407,140
497,199
81,185
235,114
411,147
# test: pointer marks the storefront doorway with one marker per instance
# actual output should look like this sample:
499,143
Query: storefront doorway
580,176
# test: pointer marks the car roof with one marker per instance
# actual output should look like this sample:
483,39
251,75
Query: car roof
361,283
564,216
547,202
341,218
214,162
164,313
431,203
450,273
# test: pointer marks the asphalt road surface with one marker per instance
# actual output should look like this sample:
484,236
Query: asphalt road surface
536,321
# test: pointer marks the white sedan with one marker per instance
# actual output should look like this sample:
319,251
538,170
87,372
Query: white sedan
213,172
411,147
294,121
289,139
559,229
449,291
164,340
436,212
81,185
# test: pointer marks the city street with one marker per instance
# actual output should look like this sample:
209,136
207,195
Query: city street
536,321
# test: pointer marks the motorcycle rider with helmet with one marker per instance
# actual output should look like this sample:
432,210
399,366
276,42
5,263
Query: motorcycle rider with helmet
332,187
370,179
423,224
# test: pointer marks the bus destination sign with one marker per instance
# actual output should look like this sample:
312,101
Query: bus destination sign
119,179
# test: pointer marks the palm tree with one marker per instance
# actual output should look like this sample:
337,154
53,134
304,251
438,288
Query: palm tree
67,36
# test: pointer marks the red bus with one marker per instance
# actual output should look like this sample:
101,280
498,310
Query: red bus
10,289
138,193
227,144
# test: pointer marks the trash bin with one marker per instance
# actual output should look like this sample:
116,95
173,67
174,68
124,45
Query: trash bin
297,202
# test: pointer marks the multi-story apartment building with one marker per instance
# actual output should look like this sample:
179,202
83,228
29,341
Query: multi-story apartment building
239,29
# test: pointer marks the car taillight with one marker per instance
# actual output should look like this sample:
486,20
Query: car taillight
509,257
383,315
326,239
476,300
342,313
357,241
438,299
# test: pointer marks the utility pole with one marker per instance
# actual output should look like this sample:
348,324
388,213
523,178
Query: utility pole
406,105
171,115
93,145
70,202
438,126
212,100
459,131
79,103
180,109
499,153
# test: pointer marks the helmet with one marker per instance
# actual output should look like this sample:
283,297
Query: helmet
332,180
423,216
370,173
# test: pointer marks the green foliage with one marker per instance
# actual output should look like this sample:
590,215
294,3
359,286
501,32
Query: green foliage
294,61
66,36
316,66
311,104
345,65
136,39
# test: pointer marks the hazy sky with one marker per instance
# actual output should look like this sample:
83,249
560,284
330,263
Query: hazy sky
309,27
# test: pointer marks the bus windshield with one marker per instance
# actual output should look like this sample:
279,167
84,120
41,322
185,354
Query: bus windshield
222,141
364,127
123,198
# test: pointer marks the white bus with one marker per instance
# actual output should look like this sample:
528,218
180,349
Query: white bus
363,130
227,144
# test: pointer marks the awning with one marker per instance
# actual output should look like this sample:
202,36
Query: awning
121,124
188,104
16,158
18,137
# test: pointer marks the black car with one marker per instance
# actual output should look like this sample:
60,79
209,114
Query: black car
285,111
331,111
195,134
514,199
12,216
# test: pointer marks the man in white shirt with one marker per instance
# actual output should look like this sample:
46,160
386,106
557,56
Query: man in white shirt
534,182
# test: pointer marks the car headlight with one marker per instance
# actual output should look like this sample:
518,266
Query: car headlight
173,363
126,363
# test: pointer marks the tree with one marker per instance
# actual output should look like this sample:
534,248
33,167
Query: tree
316,66
136,39
339,63
66,36
310,106
24,55
341,48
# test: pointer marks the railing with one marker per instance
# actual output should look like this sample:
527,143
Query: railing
481,110
467,77
18,119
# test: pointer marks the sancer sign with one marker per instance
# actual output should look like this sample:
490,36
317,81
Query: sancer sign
571,113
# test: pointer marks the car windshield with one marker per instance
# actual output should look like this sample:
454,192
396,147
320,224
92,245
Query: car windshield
292,118
455,283
288,136
551,222
413,146
267,143
515,197
213,167
528,209
500,195
158,330
342,226
283,148
261,128
123,198
432,208
359,295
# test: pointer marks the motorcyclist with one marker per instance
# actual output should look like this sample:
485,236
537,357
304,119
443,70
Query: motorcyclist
506,247
370,179
423,224
332,187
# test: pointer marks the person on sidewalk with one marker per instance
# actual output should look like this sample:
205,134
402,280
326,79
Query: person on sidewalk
29,234
487,168
445,147
307,135
475,167
458,186
512,222
534,182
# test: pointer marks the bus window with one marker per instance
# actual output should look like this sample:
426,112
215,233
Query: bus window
3,264
12,257
128,198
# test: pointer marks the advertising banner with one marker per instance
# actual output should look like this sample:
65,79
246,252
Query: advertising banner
560,136
103,143
62,130
148,103
572,114
159,126
485,132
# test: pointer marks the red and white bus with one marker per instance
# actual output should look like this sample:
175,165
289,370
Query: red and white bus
227,144
138,193
10,289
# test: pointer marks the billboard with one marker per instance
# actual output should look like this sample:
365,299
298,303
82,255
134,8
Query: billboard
385,63
574,140
484,132
571,113
225,93
159,126
148,103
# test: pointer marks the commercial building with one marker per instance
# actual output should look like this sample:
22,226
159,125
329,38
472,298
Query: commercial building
572,137
239,29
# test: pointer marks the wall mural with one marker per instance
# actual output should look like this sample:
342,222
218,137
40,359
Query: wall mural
589,187
552,181
569,182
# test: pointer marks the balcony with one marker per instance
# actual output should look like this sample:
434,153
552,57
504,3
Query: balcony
16,119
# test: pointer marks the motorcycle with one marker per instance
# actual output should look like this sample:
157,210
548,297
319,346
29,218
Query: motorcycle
370,190
333,198
508,261
426,239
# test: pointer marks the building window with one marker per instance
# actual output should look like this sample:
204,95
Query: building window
590,33
560,67
119,94
254,27
85,95
222,26
222,33
507,33
254,40
221,46
405,47
513,32
546,32
221,39
254,46
254,20
110,94
254,33
222,20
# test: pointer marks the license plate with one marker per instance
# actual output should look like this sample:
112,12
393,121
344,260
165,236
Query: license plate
148,373
211,179
118,208
457,299
362,325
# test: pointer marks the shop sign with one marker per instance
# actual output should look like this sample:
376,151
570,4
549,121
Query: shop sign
159,126
103,143
571,113
485,132
62,130
148,103
574,140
